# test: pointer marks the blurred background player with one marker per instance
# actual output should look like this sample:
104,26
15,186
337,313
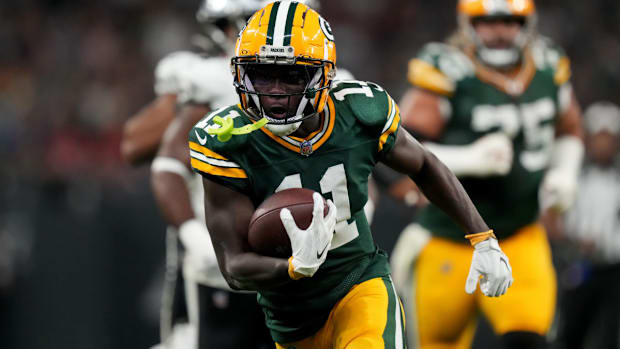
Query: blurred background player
590,276
495,104
198,310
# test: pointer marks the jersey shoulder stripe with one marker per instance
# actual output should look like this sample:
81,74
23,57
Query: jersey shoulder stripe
424,75
391,124
207,161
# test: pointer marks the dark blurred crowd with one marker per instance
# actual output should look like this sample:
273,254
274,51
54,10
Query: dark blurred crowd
80,239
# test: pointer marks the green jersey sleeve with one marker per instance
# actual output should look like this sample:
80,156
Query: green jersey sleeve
373,107
215,160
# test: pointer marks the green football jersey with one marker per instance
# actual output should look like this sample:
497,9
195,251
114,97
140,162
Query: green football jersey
358,126
476,103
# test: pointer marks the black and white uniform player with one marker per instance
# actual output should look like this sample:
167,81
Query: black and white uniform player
198,308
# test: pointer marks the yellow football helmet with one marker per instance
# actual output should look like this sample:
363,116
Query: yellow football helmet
522,10
285,33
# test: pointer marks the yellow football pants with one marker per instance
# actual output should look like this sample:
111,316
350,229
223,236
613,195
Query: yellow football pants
370,316
443,310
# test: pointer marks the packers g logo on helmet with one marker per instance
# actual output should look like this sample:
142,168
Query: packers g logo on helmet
327,29
286,33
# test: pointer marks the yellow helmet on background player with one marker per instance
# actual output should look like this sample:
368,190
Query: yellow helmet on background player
523,11
285,34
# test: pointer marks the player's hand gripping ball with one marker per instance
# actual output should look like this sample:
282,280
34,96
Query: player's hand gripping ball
266,234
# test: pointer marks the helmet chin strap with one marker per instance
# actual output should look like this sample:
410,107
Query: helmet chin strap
499,58
283,130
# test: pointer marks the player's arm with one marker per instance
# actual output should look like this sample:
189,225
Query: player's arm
436,181
143,131
170,173
443,189
229,213
171,168
426,113
421,114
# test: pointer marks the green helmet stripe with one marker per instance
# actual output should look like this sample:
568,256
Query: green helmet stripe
289,23
272,22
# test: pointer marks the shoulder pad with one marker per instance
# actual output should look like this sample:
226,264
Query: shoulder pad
549,56
372,106
368,101
169,69
438,67
343,74
207,81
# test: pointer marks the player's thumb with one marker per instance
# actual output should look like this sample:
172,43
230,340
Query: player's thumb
472,280
288,222
318,206
330,220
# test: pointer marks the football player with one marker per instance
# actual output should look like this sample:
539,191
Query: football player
495,104
188,85
335,291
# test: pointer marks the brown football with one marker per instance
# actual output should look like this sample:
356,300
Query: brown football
266,234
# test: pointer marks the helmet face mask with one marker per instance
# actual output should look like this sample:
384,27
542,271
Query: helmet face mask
498,52
292,86
284,65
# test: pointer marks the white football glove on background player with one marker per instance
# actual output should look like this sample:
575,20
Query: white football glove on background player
489,155
557,191
200,257
559,187
490,266
310,246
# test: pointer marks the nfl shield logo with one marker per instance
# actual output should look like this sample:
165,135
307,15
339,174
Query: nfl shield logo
305,148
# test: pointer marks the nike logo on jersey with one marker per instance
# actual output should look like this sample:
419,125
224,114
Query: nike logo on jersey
320,254
202,140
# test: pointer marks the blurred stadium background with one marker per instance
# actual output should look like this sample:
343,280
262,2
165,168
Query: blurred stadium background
81,242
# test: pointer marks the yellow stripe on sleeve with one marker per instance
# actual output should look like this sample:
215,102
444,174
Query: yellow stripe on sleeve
233,172
562,71
393,126
206,151
426,76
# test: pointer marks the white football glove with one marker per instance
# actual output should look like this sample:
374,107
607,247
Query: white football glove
557,191
559,187
489,155
200,258
310,246
493,153
492,264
